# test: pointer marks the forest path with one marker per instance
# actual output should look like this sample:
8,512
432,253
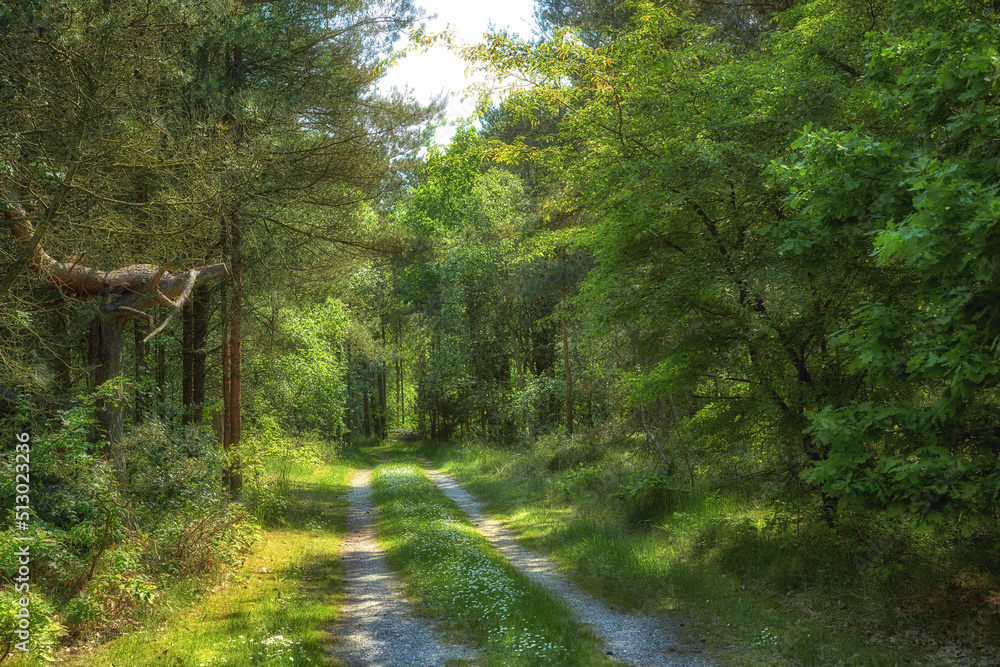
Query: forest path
378,627
646,641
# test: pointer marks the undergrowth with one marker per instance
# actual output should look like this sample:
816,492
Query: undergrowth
112,553
278,607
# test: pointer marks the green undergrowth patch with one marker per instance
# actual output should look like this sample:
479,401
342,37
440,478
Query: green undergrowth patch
758,581
278,608
459,578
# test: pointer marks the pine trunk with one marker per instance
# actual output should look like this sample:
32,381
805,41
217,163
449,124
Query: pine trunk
187,352
565,346
107,354
140,330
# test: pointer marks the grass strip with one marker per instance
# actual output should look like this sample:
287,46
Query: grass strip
277,609
459,578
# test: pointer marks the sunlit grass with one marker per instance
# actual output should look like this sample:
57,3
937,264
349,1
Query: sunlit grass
277,609
732,569
459,578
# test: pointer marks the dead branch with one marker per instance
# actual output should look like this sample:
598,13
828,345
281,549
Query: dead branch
138,287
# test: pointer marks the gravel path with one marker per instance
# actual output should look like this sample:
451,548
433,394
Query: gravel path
646,641
378,627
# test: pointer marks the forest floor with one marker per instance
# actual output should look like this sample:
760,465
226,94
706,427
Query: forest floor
279,608
361,571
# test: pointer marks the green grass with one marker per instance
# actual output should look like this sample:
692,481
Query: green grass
761,584
459,578
276,610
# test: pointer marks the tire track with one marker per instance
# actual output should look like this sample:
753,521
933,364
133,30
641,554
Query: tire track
378,627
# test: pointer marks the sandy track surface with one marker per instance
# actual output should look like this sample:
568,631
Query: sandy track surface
646,641
378,627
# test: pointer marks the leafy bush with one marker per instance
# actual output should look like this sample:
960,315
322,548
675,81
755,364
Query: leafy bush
568,452
45,629
104,543
580,478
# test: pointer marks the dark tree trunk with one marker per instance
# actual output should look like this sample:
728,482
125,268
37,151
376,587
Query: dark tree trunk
187,353
200,315
140,331
161,367
367,415
399,391
382,410
232,354
233,342
193,355
381,423
107,354
224,347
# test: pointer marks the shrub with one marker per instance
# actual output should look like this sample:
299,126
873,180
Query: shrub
102,545
647,497
569,453
45,629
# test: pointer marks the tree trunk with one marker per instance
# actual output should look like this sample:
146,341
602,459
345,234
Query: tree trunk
367,416
107,349
187,353
200,338
161,367
399,389
140,331
233,348
381,416
224,347
233,242
566,363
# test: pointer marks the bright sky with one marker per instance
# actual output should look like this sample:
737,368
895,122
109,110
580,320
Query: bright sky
428,74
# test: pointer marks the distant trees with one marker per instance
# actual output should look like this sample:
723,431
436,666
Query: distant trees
301,378
476,312
465,223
